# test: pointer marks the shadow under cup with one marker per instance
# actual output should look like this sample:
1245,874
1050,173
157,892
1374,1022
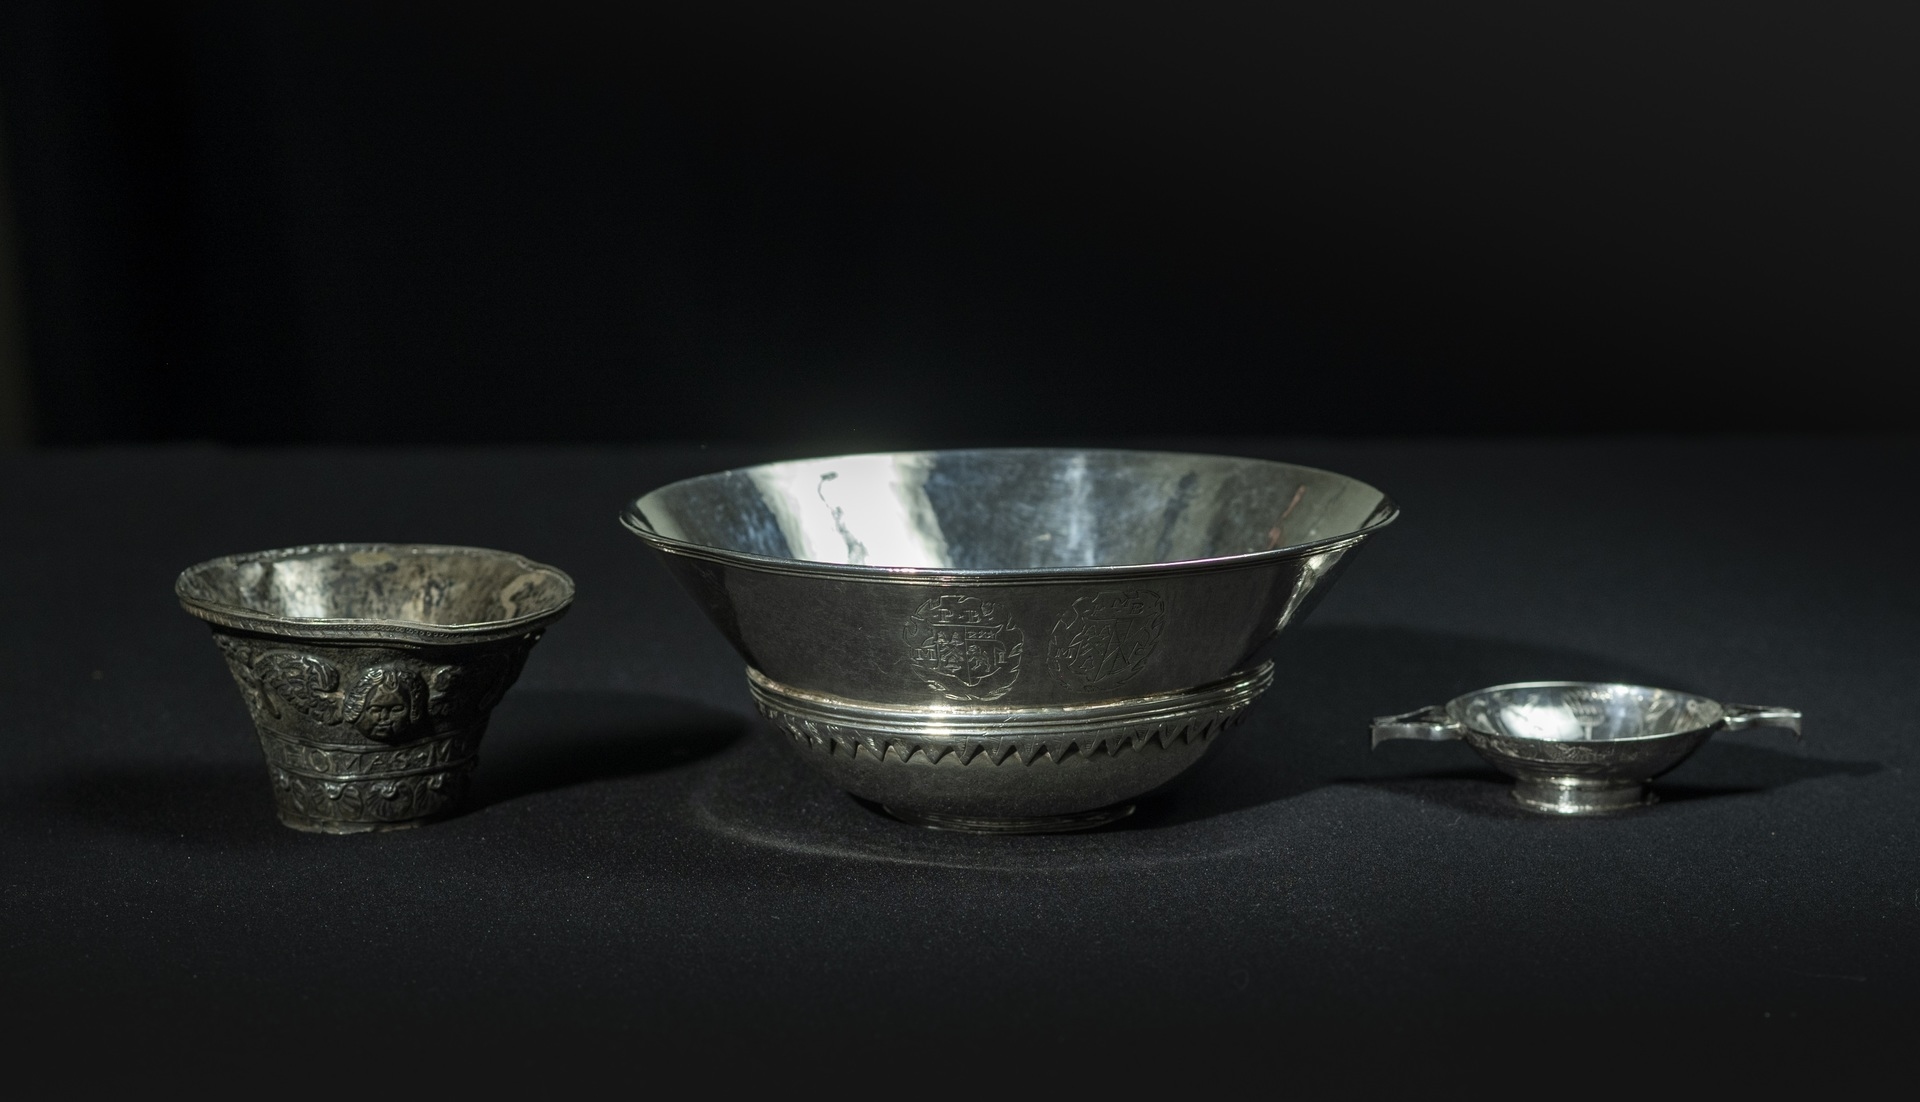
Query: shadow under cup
371,670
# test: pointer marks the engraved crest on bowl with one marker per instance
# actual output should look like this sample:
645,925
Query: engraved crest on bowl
965,648
1147,583
1106,638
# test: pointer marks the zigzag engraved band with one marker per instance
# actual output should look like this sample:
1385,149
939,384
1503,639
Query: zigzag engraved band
882,732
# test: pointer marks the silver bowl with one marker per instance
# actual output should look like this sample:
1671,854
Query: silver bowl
1009,639
1581,747
370,670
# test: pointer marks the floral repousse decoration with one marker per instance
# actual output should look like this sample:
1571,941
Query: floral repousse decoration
387,702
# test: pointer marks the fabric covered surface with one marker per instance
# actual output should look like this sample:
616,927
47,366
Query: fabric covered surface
643,856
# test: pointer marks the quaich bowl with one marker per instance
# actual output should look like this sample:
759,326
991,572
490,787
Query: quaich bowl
1581,747
1007,640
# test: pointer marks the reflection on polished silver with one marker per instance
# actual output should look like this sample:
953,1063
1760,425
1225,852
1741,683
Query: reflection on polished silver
1007,639
370,670
1008,770
1580,747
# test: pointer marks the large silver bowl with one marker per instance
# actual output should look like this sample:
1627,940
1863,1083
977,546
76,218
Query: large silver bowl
1007,639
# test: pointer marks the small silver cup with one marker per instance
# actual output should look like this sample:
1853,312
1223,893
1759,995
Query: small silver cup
1581,747
370,670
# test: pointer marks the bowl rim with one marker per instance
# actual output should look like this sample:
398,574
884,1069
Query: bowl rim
634,521
1460,715
355,628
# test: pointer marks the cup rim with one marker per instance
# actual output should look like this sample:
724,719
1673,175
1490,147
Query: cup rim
349,629
634,520
1456,710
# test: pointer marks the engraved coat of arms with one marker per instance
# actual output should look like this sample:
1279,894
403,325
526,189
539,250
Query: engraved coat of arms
1106,638
966,648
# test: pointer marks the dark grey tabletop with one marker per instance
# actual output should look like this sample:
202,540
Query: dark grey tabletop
643,857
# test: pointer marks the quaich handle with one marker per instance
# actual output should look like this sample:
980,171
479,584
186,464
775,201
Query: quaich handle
1432,724
1739,717
1429,724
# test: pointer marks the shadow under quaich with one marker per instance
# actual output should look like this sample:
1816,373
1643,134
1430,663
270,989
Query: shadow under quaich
1312,728
1310,734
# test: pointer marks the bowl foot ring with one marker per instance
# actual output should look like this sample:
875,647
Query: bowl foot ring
1033,824
1555,799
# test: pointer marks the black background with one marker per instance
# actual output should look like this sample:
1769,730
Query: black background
1308,233
646,870
881,224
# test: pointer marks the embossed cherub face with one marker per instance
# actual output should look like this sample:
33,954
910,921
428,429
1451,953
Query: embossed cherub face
386,703
385,713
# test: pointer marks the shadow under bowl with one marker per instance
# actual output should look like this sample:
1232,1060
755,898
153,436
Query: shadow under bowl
1007,640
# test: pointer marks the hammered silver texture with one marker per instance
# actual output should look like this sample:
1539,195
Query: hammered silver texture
990,639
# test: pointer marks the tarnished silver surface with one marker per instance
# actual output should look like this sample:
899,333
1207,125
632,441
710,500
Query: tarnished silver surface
1580,747
370,669
1007,639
